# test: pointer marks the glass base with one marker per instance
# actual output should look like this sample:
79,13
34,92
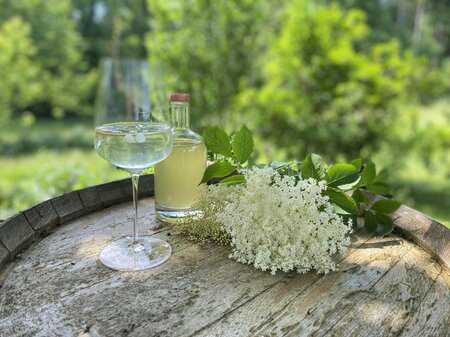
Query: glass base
146,253
177,216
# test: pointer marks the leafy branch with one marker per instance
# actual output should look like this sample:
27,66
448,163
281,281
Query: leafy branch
229,153
349,185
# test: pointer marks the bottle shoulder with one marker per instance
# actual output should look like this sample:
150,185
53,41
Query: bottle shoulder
187,134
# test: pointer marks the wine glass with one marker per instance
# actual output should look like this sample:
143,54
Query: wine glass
132,134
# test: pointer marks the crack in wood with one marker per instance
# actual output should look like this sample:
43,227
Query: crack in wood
352,250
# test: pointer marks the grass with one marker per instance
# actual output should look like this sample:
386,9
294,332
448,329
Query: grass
426,189
431,200
422,166
29,179
19,137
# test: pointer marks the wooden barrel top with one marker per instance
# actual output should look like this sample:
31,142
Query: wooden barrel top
398,285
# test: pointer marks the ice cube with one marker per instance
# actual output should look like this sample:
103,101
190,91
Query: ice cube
129,138
140,138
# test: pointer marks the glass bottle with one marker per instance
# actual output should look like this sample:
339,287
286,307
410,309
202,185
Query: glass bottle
178,176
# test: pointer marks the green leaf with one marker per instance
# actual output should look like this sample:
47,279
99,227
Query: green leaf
382,176
386,206
243,144
339,210
351,186
370,222
313,167
217,170
379,188
359,196
386,225
368,173
341,174
357,163
237,179
380,184
217,141
342,200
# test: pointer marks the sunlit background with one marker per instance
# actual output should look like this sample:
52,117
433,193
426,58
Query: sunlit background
339,78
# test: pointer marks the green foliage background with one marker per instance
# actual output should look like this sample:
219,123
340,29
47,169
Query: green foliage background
341,78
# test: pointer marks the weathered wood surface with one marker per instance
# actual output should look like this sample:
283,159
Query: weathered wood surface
384,287
426,232
19,231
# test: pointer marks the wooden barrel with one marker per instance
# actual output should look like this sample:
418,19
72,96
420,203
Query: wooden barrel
52,283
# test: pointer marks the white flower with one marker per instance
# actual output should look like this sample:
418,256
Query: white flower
276,222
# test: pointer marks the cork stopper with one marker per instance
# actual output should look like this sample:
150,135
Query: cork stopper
180,97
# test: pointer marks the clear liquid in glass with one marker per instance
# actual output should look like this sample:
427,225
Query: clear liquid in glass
133,146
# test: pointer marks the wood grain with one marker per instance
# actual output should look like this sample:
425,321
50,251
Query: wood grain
115,192
4,255
426,232
90,199
433,315
270,302
16,233
359,272
42,216
68,206
388,304
384,287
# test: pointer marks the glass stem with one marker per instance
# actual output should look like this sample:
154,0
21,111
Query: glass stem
135,182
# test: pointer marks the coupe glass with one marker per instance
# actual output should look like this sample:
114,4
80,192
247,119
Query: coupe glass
133,134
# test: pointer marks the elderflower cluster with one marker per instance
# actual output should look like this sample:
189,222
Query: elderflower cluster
274,222
278,223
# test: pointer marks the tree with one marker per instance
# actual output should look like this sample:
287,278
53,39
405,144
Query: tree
319,91
206,48
63,75
418,24
19,84
112,27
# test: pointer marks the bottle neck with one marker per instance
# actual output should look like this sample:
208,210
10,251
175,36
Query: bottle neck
179,115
